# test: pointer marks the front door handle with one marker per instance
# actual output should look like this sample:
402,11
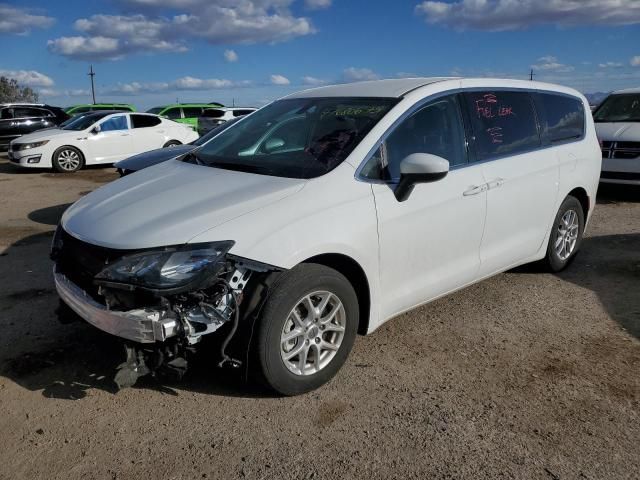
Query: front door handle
475,190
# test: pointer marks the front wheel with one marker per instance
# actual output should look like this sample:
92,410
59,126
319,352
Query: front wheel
67,159
566,235
307,329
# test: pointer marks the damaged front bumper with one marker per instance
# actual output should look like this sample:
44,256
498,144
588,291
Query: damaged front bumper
138,325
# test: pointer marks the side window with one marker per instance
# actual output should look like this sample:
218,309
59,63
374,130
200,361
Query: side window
173,113
144,121
436,128
81,110
503,123
192,112
114,123
6,113
26,112
240,113
562,117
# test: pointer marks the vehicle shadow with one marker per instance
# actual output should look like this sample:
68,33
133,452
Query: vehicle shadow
609,193
64,361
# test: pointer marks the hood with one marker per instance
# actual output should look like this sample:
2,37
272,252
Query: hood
147,159
619,131
169,204
49,134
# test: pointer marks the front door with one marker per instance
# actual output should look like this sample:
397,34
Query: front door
113,142
429,243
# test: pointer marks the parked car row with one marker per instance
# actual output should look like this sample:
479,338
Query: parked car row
97,138
17,119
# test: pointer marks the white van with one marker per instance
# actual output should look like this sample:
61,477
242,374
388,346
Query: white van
325,214
617,121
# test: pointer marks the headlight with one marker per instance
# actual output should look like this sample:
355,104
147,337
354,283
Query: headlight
167,269
27,146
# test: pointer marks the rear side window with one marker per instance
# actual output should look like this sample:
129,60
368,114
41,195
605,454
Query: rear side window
27,112
561,117
191,112
503,123
6,113
144,121
239,113
173,113
213,113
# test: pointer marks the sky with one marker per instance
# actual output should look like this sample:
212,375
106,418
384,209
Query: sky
250,52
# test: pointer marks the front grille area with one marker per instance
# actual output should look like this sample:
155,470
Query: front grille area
80,262
621,150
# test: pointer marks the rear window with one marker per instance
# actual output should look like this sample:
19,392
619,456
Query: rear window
213,113
239,113
503,123
144,121
562,117
192,112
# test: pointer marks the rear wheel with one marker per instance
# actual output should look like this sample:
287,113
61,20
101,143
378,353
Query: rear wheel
67,159
566,235
307,329
171,143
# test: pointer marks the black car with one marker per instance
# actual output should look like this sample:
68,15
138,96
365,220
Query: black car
18,119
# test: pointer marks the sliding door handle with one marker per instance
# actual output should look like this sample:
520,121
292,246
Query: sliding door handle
475,190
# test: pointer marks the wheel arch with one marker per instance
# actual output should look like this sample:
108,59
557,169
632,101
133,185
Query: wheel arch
583,197
75,147
356,275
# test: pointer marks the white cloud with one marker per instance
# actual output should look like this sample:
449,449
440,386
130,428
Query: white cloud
635,61
317,4
30,78
93,48
230,56
610,65
180,84
313,81
550,63
279,80
353,74
217,22
20,21
497,15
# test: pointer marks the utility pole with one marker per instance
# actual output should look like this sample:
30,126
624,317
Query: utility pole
531,75
93,90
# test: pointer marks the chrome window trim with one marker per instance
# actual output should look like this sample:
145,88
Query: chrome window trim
422,102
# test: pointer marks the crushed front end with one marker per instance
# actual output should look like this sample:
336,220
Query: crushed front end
161,302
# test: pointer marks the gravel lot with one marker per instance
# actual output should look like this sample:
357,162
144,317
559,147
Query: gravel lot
526,375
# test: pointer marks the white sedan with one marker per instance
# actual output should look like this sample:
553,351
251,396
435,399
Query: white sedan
97,138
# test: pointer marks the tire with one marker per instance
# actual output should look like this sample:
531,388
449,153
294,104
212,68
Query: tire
563,247
171,143
67,159
312,333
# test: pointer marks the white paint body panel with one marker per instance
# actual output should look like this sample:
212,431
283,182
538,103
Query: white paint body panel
411,252
103,147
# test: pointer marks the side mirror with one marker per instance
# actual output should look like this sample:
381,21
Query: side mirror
273,144
419,168
96,129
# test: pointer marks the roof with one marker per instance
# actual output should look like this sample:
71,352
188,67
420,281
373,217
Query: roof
396,87
228,109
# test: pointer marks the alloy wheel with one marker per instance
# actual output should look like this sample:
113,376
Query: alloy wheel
567,235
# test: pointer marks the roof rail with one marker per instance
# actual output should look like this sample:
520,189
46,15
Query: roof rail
22,104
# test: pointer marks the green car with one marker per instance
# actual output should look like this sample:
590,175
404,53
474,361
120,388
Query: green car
91,107
183,112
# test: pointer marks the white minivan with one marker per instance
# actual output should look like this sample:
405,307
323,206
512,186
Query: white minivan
325,214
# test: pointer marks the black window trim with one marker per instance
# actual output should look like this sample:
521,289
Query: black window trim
471,152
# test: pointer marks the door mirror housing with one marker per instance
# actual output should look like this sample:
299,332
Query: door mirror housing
419,168
96,129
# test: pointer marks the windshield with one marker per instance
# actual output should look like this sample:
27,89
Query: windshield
619,108
155,110
297,138
82,122
214,131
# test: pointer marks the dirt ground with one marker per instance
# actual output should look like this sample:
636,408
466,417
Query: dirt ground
526,375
